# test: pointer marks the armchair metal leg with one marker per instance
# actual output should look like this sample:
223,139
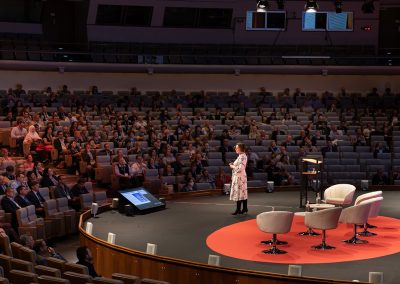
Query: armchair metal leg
274,249
366,233
354,239
323,245
309,232
270,242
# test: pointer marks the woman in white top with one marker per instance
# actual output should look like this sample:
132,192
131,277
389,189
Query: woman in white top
239,180
32,137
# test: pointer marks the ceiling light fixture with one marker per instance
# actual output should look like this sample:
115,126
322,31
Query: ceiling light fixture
311,6
262,5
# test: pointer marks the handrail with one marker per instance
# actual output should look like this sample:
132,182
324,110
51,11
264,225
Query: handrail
111,258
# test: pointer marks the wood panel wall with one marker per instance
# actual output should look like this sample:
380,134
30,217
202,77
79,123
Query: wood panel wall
111,259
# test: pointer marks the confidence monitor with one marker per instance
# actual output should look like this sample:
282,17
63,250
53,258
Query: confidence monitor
141,200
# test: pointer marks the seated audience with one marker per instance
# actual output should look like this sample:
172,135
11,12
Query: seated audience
124,173
22,197
79,188
206,178
221,178
9,205
48,179
84,256
18,133
36,199
380,178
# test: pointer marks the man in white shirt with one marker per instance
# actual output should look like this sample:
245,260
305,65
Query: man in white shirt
139,169
18,133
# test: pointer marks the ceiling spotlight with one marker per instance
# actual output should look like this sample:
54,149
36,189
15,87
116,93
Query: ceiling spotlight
311,6
281,4
262,5
338,6
368,6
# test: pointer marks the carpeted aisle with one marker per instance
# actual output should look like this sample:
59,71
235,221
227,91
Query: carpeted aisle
242,241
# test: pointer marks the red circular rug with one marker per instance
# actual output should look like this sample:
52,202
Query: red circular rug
242,241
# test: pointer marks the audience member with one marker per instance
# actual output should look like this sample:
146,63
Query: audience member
22,197
18,133
380,178
9,205
36,199
84,256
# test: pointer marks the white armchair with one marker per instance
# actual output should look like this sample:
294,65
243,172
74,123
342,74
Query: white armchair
339,194
323,220
275,222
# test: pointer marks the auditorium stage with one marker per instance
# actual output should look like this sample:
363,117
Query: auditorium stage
182,229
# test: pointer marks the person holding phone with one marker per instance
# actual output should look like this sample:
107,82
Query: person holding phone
239,180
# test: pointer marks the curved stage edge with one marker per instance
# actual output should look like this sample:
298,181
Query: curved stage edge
109,259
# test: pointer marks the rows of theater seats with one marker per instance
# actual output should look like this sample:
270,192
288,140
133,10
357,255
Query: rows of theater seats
18,265
59,220
361,155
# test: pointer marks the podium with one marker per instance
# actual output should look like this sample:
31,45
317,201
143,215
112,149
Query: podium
312,166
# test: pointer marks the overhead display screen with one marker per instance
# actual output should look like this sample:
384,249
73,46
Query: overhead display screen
328,21
270,20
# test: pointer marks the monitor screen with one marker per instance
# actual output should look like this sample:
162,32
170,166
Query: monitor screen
266,21
328,21
141,198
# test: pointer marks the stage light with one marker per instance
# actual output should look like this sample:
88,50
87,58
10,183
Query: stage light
311,6
364,184
368,7
214,259
281,4
111,238
295,270
270,186
375,277
151,248
94,209
338,6
262,5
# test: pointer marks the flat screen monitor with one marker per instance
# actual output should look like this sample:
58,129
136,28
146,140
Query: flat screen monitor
266,21
328,21
140,198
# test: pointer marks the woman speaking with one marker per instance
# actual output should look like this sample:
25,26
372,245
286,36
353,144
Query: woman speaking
239,180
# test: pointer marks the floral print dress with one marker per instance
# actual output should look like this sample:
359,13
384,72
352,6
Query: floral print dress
239,179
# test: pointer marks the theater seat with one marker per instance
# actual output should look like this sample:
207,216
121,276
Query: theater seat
56,263
45,270
126,278
15,248
77,278
5,262
86,201
18,276
77,268
103,280
52,213
27,254
45,279
153,281
19,264
70,215
5,245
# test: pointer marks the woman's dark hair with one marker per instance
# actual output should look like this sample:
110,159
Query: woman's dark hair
241,147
